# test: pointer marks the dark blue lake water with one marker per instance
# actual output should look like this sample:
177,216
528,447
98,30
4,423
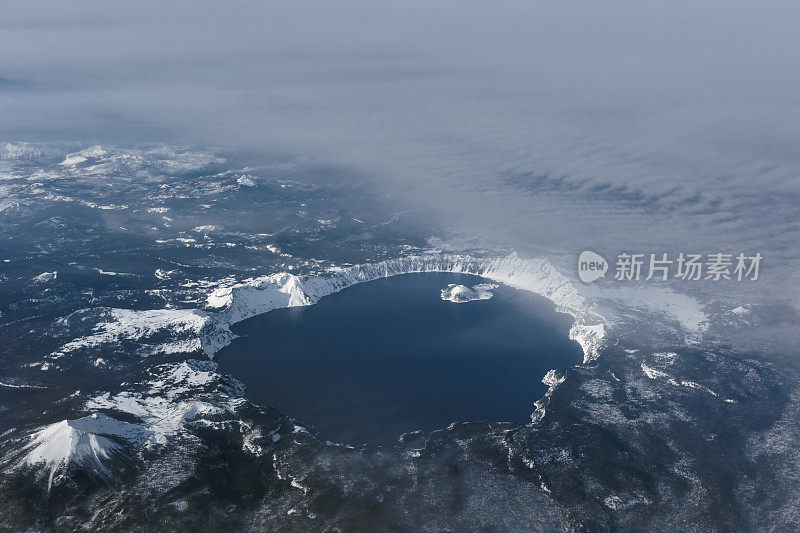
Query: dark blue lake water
389,356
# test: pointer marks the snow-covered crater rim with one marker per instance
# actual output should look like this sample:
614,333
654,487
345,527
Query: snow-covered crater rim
259,295
209,329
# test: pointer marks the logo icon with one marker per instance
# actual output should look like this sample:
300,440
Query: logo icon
591,266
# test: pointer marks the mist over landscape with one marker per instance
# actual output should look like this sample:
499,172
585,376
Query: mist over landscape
523,123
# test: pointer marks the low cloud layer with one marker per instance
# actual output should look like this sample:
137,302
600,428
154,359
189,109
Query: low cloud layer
630,125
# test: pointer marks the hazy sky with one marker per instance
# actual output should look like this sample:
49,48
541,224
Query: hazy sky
648,126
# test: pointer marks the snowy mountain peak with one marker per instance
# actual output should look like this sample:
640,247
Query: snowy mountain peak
87,442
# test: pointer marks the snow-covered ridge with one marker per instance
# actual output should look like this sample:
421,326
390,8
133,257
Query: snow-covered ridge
181,326
209,330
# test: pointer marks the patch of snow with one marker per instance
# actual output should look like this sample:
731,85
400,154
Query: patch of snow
45,277
20,151
19,386
684,309
613,502
552,379
695,385
667,358
617,503
82,156
108,273
202,229
166,348
162,274
247,181
652,373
